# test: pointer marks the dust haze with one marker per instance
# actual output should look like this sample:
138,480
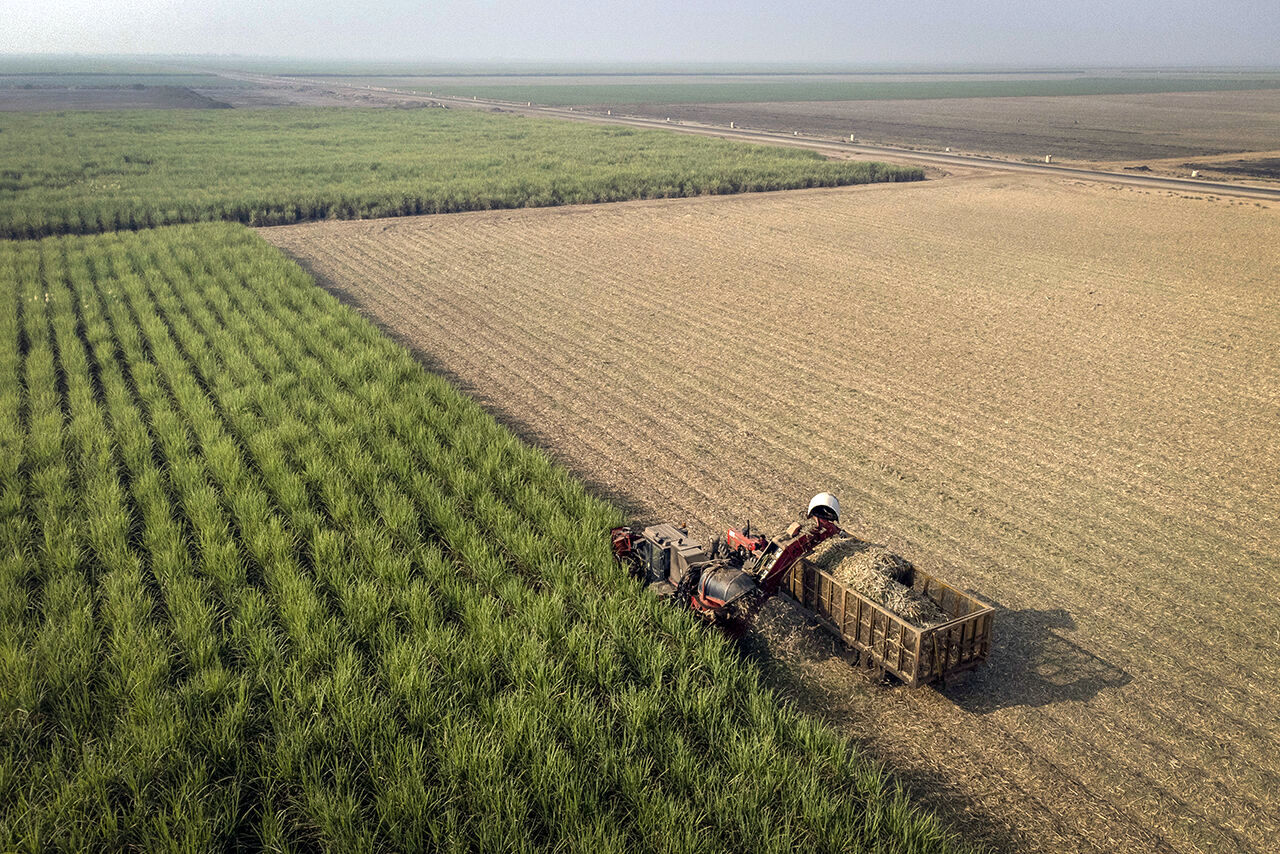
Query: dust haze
1038,33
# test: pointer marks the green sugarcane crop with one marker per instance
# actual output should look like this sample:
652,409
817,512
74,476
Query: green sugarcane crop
82,173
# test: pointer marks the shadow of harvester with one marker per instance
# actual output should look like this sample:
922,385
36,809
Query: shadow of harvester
1031,664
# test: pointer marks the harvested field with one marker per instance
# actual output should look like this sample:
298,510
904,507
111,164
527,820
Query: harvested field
1061,396
1096,128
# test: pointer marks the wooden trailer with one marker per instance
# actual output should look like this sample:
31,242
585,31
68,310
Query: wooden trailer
887,642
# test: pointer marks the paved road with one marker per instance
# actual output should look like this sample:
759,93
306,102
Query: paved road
824,145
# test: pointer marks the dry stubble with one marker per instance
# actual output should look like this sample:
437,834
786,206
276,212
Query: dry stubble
1062,396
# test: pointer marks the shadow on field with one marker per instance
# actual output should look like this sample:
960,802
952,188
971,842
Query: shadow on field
1033,665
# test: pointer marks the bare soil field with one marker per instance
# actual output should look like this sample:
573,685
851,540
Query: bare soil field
1257,167
1062,396
1089,128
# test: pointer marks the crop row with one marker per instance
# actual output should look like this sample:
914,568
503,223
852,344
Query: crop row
266,582
83,173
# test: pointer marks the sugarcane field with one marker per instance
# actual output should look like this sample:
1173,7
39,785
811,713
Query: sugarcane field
541,430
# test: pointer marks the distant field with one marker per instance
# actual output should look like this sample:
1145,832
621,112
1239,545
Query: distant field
1084,127
266,584
74,83
563,91
74,64
44,72
46,98
112,80
91,172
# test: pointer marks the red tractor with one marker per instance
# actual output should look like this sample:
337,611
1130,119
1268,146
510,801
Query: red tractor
728,581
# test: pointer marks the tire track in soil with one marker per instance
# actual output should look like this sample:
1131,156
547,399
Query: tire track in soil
637,363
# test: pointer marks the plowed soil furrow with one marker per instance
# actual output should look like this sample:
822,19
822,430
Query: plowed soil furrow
1063,397
1161,520
405,265
917,412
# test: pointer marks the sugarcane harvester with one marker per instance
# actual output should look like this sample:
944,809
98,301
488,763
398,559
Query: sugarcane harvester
727,582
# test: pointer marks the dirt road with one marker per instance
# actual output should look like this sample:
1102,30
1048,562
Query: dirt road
1060,394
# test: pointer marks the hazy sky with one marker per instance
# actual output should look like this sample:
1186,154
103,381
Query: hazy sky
1036,32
